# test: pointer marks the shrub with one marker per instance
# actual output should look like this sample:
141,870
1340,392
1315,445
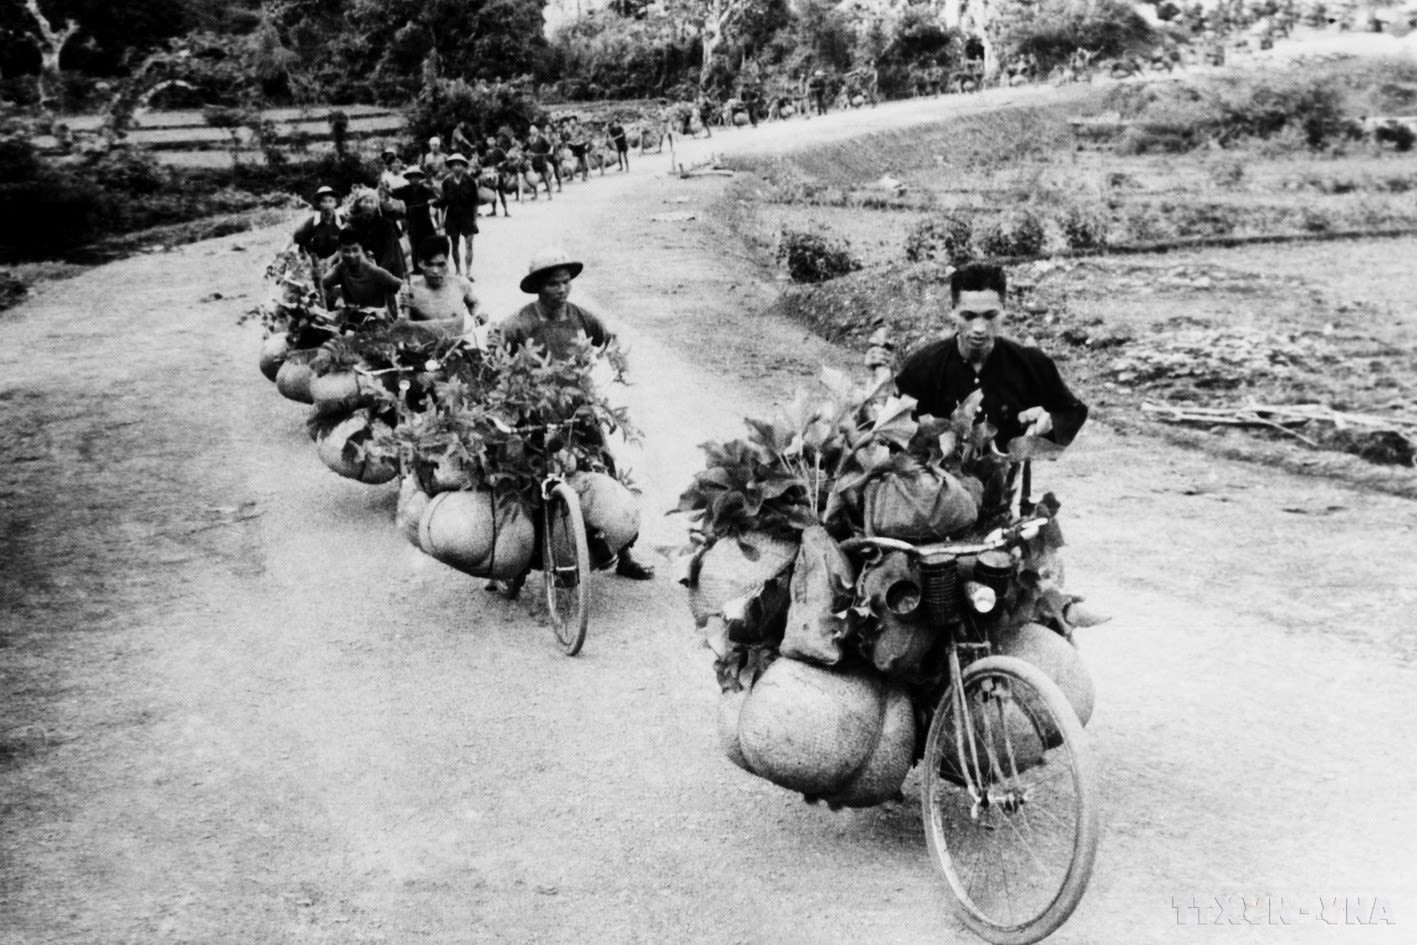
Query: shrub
18,158
1142,223
1265,104
1084,227
1052,30
49,215
483,106
131,170
941,239
1016,233
811,258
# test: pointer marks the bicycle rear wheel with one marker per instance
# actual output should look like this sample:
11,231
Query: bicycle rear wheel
566,568
1010,801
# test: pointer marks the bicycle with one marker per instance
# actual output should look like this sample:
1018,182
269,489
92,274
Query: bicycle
1002,742
565,549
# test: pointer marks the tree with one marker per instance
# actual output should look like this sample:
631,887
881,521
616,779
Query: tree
474,39
1051,30
112,33
719,17
50,43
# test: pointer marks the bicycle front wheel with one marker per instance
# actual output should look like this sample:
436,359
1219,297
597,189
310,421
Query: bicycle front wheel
566,569
1010,801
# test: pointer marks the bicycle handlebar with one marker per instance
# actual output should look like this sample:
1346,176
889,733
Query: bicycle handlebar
999,538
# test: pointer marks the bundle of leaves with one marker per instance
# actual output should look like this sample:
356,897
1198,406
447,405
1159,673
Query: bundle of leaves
293,304
808,464
503,420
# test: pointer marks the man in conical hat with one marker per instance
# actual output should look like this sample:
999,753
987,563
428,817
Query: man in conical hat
555,323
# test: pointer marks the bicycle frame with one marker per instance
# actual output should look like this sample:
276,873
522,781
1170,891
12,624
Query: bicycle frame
952,617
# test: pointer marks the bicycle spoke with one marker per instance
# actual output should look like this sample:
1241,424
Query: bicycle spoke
1020,849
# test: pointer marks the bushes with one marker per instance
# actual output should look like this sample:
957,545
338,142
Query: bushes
1084,227
1051,31
941,239
1264,105
483,106
811,258
1016,233
1312,106
49,211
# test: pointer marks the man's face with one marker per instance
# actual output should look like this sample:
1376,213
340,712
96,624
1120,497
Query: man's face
352,255
327,205
367,206
977,316
434,270
555,288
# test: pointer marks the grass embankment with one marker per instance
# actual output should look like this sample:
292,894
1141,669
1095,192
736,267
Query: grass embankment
1213,328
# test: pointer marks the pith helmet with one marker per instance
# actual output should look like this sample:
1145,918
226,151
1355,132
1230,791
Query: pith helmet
456,158
543,261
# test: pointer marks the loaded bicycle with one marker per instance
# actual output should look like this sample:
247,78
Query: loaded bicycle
564,549
1009,785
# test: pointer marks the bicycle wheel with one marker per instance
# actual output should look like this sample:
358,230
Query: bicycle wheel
566,569
1010,801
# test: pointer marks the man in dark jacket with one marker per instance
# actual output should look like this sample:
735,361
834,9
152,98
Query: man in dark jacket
1023,393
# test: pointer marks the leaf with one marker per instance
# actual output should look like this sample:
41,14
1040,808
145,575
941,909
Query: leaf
800,413
839,384
895,422
965,413
768,435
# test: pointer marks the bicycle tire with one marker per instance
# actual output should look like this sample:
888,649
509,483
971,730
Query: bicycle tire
566,568
1029,701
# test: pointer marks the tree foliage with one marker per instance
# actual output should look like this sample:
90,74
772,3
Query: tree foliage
1050,31
482,107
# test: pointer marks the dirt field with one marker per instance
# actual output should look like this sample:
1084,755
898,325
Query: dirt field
240,708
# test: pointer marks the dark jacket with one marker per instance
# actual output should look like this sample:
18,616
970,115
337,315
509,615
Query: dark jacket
1014,378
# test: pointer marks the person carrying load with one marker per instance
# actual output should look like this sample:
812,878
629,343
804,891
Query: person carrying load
1023,393
557,325
318,235
436,298
359,281
1023,396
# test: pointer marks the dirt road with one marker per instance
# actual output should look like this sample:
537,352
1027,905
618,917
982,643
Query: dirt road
240,708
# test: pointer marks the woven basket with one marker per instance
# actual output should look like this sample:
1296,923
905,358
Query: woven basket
810,729
353,460
478,535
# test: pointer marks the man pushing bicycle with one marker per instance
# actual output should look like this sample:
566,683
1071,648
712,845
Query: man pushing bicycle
556,324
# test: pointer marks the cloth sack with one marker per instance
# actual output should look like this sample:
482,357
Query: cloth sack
821,591
920,504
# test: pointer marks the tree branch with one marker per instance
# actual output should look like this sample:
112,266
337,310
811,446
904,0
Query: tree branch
48,37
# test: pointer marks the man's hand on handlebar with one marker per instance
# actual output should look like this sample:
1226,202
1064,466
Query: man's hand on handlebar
1039,421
